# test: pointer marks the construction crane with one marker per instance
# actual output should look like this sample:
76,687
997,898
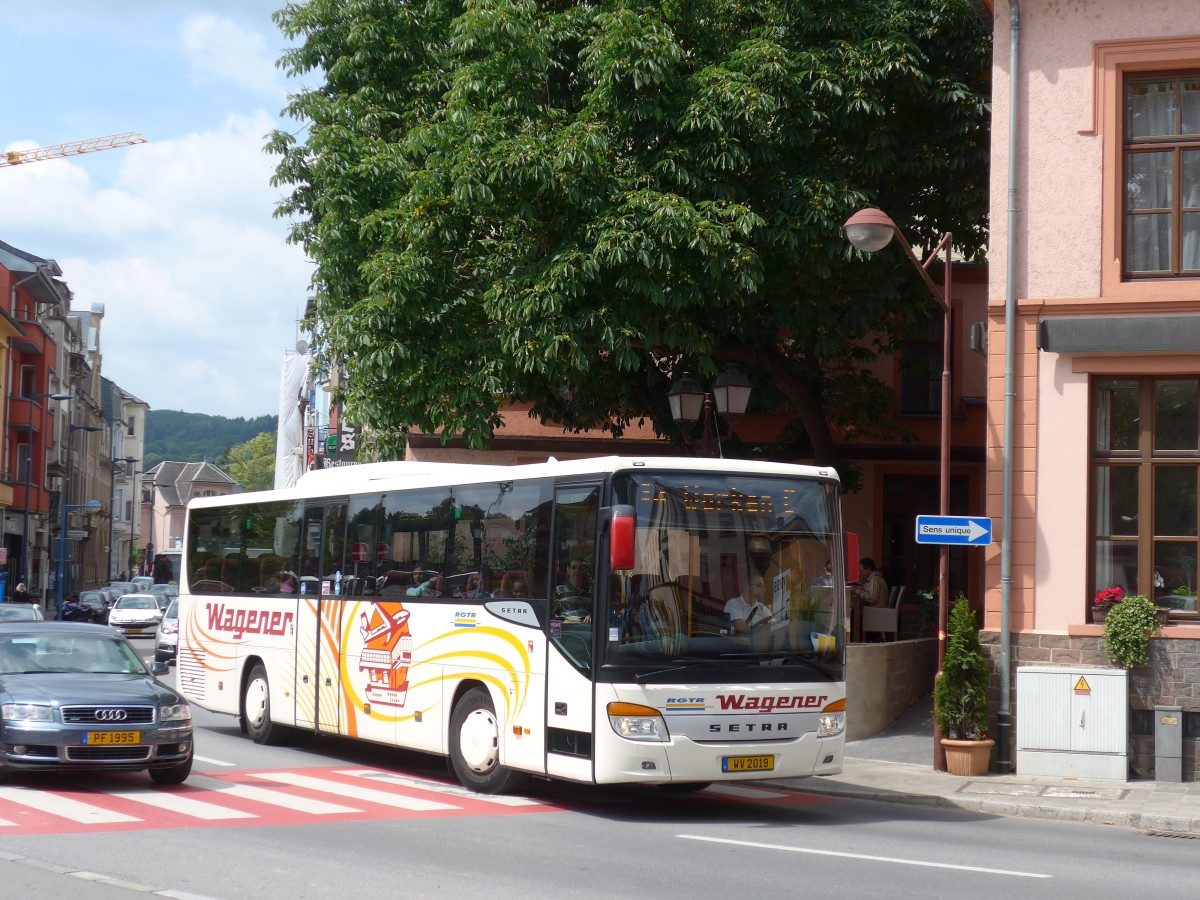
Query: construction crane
72,148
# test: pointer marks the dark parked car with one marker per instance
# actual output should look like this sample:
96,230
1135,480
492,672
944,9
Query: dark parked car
78,698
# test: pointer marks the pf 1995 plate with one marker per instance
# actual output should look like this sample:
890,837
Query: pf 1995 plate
113,737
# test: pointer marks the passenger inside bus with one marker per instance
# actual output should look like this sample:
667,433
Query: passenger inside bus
573,598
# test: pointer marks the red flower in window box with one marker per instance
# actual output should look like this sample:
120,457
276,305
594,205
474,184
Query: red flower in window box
1108,597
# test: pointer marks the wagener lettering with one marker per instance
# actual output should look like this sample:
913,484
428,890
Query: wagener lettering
238,621
742,703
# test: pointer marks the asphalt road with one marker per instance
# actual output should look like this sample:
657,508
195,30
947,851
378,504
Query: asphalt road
336,818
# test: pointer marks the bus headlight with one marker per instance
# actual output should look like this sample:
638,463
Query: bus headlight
638,723
833,719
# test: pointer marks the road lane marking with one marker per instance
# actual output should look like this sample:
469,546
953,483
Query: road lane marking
182,804
864,856
214,762
64,807
439,786
353,792
309,805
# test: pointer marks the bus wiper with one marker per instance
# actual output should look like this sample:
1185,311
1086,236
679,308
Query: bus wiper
794,658
684,665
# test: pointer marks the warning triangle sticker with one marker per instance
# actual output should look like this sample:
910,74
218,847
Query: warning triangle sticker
1082,687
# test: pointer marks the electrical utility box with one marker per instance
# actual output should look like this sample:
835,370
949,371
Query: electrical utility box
1073,722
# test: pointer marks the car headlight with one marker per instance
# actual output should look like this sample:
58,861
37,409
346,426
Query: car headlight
180,712
636,722
27,712
170,628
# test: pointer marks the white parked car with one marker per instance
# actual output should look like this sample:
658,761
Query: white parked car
135,614
166,638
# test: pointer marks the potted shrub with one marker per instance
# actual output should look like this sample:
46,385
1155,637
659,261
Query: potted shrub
1127,630
960,697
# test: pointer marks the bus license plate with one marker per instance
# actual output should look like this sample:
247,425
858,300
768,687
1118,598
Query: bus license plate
113,737
747,763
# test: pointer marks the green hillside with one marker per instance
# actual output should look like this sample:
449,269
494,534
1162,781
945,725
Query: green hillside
196,437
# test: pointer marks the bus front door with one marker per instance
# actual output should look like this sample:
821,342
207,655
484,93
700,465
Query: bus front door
317,685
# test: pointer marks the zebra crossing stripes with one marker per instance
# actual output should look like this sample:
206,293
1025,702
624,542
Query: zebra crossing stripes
273,797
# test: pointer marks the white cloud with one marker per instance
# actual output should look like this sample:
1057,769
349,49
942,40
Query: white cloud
200,289
221,51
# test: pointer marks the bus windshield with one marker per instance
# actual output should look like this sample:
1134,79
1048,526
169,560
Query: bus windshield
728,568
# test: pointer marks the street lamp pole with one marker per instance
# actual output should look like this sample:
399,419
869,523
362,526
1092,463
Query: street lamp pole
870,230
25,570
61,593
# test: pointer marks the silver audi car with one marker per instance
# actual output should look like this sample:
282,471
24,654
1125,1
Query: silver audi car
78,698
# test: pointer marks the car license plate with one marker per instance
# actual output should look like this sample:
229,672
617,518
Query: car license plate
134,630
747,763
113,737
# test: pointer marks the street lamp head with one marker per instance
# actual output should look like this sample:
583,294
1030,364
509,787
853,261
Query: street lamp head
870,229
686,399
54,396
731,392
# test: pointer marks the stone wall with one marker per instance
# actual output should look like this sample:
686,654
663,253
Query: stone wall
1171,679
883,681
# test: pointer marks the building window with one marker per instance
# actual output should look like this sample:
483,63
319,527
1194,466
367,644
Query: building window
921,370
1144,482
1162,176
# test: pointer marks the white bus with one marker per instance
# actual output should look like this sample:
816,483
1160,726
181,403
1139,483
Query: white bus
569,620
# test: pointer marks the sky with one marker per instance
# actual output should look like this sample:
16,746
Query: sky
175,237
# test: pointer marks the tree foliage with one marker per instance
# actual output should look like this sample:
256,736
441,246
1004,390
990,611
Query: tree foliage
960,696
252,464
569,202
196,437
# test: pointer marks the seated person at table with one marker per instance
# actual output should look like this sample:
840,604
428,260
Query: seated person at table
745,614
872,589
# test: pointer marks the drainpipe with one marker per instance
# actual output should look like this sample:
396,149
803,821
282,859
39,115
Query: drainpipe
1004,718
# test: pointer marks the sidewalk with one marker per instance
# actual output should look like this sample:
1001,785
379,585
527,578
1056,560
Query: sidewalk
896,766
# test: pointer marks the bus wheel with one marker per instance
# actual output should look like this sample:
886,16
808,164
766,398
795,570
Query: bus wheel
475,745
256,709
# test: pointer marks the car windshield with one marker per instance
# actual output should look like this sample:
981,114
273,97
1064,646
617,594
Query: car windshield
123,587
25,654
172,610
18,613
130,602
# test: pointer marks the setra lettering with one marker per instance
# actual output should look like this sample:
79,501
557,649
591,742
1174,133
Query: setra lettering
239,621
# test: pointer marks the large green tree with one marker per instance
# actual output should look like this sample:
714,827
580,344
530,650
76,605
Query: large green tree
569,202
252,464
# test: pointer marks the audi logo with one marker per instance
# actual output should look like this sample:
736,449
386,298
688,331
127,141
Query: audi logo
111,715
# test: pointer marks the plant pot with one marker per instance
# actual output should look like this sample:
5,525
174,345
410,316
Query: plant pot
968,757
1099,614
1164,615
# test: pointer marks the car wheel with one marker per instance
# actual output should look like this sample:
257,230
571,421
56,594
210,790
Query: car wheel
174,775
256,709
475,746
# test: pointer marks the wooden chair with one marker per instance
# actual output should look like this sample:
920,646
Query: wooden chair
884,619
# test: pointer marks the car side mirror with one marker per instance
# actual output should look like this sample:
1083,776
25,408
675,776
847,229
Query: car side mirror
158,667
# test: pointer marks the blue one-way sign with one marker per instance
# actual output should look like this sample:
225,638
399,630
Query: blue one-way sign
972,530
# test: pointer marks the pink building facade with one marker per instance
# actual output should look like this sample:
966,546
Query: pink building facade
1100,273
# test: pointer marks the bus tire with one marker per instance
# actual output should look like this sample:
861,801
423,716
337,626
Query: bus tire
256,709
475,746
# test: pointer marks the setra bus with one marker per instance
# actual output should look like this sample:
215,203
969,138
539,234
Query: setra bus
571,620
